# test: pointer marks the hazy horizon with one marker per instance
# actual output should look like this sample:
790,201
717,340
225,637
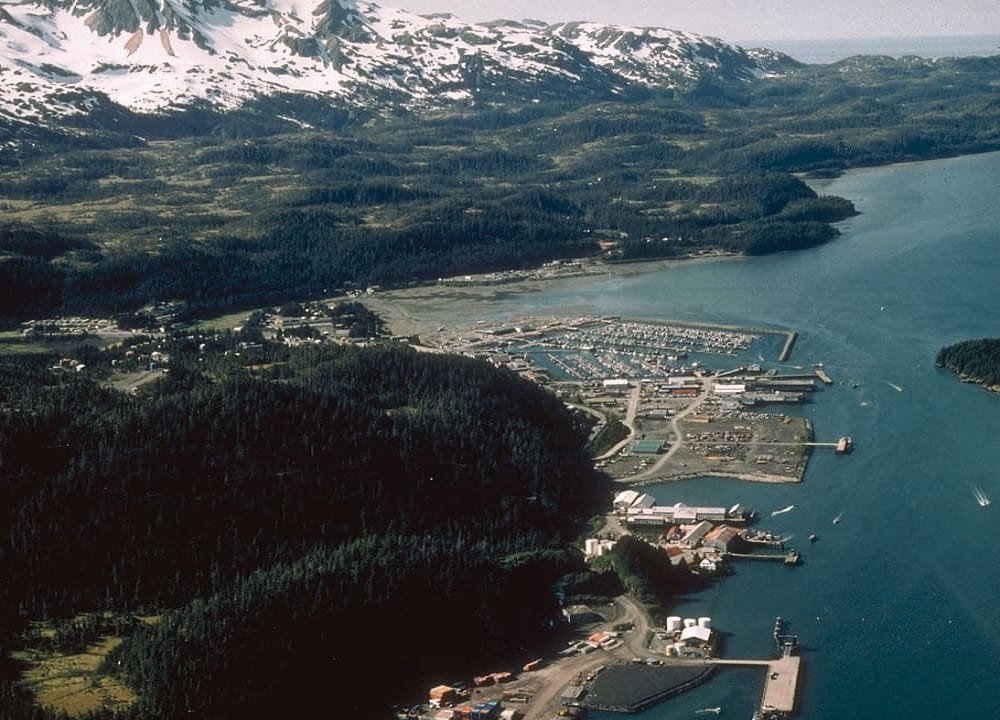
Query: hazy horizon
735,20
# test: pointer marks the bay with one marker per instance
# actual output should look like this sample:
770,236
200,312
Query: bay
830,50
896,605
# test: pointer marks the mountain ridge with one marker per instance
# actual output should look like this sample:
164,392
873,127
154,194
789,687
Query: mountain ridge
66,57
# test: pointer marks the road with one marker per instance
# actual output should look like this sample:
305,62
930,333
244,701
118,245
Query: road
629,422
549,683
678,442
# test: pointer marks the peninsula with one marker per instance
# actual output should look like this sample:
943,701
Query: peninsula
974,361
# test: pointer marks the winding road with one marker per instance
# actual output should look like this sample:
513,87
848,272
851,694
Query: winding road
550,682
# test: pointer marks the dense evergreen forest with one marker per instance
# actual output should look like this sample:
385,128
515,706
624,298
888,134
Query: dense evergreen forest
976,361
221,210
315,518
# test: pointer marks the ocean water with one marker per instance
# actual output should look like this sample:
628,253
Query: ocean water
897,605
831,50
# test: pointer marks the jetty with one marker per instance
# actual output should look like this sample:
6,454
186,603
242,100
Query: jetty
822,375
786,351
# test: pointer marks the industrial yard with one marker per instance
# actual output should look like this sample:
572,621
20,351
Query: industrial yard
645,666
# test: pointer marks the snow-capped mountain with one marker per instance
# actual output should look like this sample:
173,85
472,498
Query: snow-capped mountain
65,57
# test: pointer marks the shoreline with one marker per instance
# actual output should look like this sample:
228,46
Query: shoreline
424,308
723,475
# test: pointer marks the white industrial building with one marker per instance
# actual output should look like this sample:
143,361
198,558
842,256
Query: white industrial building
592,547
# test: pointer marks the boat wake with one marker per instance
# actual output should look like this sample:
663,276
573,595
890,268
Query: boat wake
782,511
709,711
981,497
894,386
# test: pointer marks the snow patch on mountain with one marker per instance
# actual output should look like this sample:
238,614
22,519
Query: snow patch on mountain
65,56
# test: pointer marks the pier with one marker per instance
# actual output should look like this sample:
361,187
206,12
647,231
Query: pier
791,557
786,351
843,446
780,684
821,374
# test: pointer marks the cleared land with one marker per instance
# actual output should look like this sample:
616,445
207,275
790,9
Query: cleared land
72,682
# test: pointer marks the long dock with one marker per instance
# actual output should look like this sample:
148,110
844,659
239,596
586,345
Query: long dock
792,557
786,351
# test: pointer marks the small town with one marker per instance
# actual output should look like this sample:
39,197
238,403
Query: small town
687,401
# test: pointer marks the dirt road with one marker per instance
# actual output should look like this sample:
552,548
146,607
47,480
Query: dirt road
549,683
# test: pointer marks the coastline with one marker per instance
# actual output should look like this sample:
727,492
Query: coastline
424,308
722,474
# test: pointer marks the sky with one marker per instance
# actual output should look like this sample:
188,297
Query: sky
741,20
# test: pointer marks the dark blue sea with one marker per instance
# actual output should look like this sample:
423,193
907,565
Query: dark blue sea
832,50
897,606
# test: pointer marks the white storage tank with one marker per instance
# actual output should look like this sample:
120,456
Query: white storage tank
690,622
705,622
673,623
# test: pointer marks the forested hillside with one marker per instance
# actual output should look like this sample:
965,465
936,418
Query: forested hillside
220,210
976,361
317,517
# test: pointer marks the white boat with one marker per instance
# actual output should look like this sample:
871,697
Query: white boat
709,711
981,497
837,519
782,511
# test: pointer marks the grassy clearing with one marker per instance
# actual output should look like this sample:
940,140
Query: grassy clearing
225,322
72,683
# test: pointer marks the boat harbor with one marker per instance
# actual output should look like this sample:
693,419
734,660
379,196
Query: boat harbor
632,687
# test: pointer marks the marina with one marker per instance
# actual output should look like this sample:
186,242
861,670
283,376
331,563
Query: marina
629,688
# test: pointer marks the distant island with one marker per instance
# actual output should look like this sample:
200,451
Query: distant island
974,361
